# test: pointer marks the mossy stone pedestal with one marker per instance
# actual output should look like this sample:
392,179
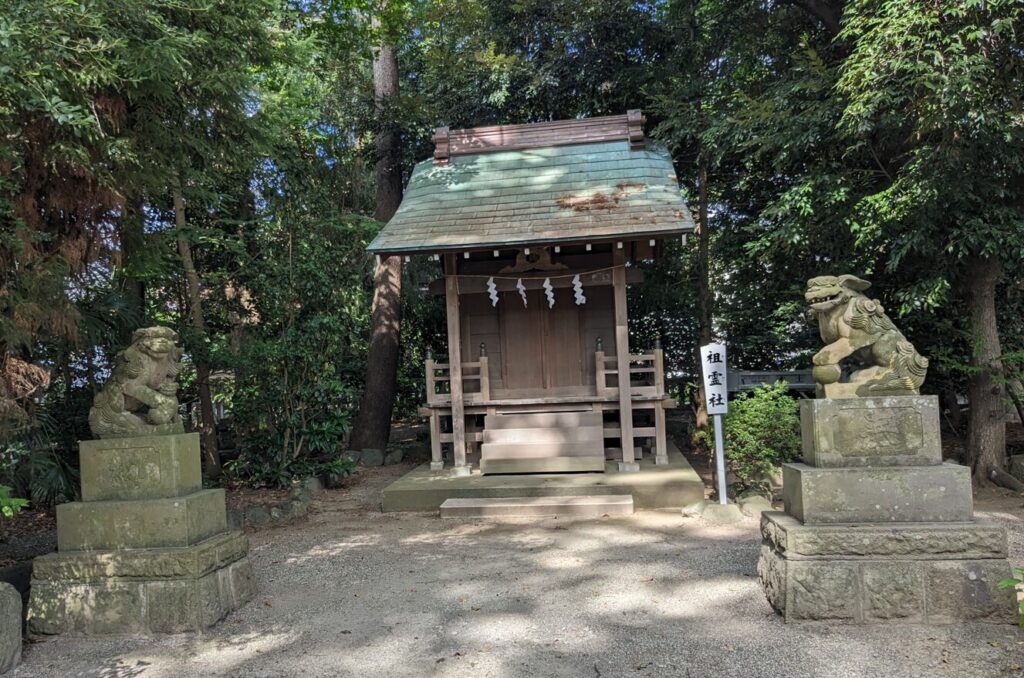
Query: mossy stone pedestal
876,527
146,551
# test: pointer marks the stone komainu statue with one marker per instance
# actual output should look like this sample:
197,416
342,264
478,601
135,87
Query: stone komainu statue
852,325
140,398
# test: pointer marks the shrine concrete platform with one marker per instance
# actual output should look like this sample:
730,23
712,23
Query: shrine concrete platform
671,485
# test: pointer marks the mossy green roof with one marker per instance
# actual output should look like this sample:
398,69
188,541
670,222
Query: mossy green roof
556,194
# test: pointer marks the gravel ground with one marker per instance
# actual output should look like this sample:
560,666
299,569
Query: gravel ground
353,592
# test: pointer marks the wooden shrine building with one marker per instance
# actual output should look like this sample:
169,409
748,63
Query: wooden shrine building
538,229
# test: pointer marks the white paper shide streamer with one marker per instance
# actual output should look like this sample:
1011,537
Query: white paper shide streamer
549,291
577,288
522,290
492,291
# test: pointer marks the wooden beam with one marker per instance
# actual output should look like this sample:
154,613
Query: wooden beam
622,361
453,142
455,360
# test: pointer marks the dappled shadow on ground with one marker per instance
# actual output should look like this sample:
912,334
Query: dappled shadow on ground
354,592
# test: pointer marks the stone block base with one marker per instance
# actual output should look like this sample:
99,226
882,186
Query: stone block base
932,574
141,523
886,431
819,496
141,467
164,590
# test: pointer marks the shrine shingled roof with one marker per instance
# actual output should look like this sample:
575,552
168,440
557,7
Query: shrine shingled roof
498,197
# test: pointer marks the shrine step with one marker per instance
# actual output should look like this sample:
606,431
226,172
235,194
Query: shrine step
538,450
585,506
542,420
594,435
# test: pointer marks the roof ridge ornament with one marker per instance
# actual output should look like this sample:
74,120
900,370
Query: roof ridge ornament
493,138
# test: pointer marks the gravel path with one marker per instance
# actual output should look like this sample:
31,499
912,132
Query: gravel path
353,592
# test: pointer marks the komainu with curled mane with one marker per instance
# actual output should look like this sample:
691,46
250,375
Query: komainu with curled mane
140,398
852,325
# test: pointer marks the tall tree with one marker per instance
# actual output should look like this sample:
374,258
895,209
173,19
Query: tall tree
372,426
936,91
207,423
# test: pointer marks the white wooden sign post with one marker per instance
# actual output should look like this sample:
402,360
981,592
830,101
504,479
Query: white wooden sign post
713,363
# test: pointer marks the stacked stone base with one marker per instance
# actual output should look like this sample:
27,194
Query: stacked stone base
877,529
937,573
163,590
148,551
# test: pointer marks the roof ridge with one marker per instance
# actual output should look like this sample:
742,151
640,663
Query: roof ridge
492,138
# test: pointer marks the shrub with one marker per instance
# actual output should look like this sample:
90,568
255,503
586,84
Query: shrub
762,431
10,505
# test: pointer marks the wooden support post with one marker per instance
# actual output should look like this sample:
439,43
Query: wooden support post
485,379
660,443
451,294
659,371
436,461
628,462
429,365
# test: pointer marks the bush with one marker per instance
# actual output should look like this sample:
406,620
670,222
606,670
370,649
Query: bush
10,505
762,431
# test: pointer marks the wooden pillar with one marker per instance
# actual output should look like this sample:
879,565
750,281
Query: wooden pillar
451,295
429,367
436,461
628,462
485,378
660,442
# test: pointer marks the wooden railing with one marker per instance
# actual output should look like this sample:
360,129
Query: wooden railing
646,378
476,382
646,374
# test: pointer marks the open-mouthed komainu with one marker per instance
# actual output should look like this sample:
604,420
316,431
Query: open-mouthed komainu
852,325
140,398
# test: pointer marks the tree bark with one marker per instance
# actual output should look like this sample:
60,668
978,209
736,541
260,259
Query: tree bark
986,422
1015,389
133,242
705,301
372,426
207,425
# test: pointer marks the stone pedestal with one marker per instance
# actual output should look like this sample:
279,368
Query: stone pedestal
876,527
146,551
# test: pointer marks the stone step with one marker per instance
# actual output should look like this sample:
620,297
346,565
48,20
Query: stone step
542,420
537,450
585,506
533,436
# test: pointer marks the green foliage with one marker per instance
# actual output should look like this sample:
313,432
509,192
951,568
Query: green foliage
762,431
254,472
892,148
1016,582
10,505
38,470
301,359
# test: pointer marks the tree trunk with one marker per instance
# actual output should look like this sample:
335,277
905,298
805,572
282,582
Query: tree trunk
207,425
704,299
372,426
1015,389
986,423
133,242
